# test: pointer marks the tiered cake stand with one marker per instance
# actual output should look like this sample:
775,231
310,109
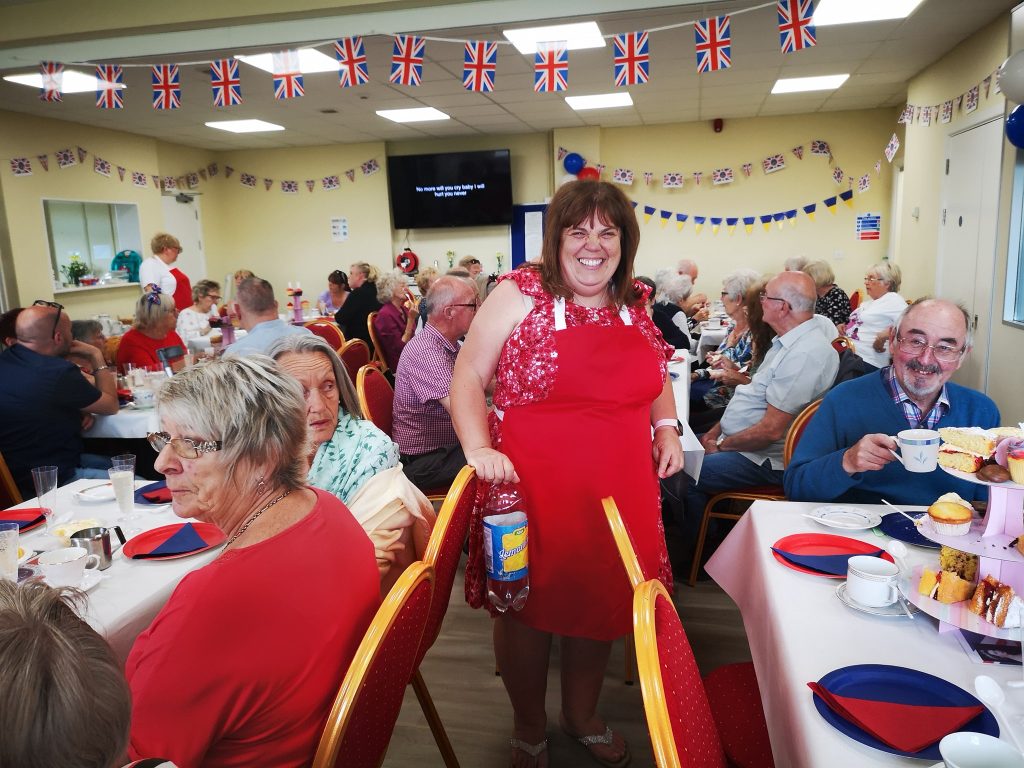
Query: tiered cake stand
991,538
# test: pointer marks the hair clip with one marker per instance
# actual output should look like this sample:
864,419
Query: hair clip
153,297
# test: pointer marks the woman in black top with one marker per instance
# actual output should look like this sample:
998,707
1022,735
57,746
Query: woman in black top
351,318
673,290
832,300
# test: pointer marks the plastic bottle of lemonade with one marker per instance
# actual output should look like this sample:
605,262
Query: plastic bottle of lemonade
505,548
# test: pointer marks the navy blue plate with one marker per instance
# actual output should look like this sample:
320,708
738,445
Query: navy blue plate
896,525
899,685
140,499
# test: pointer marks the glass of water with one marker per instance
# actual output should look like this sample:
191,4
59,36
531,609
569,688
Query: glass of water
122,477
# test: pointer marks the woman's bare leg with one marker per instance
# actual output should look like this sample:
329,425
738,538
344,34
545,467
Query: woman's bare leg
523,654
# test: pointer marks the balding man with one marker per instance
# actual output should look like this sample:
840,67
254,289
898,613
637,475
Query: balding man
844,454
42,396
257,314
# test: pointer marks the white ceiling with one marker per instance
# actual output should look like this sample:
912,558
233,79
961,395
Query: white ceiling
880,57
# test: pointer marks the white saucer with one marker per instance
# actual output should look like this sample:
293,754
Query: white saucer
846,518
96,494
90,579
886,610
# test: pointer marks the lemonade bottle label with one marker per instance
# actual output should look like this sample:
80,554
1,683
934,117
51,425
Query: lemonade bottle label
506,553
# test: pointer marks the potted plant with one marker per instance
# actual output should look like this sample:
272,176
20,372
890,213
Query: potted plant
75,269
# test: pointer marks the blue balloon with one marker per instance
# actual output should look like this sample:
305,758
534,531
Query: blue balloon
1015,126
573,163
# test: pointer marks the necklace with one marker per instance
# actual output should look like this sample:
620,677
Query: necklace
253,517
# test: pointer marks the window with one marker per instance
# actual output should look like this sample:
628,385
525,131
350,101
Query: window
93,232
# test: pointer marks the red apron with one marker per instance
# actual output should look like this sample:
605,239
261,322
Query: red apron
183,290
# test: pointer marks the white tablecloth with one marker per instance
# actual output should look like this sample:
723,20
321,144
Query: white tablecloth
709,340
799,631
131,592
128,422
693,451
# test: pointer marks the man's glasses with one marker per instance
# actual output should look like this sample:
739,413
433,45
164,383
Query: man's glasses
763,296
473,306
183,447
945,353
55,305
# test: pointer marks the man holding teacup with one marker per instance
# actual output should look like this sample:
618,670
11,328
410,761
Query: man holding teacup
848,452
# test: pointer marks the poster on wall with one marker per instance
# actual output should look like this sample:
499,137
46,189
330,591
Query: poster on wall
339,229
868,226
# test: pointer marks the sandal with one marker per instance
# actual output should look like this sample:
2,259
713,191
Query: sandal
533,750
605,739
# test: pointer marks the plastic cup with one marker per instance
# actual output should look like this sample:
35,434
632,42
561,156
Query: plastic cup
9,551
45,481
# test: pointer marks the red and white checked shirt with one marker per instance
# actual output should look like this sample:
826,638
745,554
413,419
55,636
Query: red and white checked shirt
424,374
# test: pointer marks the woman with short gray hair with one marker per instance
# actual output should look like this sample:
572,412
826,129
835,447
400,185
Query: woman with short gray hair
155,319
232,447
194,321
395,322
832,300
668,315
871,322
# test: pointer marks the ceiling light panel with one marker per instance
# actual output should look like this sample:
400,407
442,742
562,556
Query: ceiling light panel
575,36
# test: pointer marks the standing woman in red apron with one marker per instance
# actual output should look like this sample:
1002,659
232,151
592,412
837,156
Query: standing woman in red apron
581,379
157,270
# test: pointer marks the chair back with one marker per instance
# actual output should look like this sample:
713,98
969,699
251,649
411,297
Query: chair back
855,299
166,354
376,397
9,493
354,353
444,549
378,355
110,348
839,343
796,430
626,550
366,708
683,731
329,332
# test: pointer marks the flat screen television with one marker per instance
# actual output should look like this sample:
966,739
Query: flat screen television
455,189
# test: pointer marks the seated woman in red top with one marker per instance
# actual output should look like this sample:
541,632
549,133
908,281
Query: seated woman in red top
155,319
396,320
242,665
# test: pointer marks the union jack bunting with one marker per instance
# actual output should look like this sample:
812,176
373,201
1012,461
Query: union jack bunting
551,67
799,152
648,177
632,58
169,182
747,168
892,147
713,38
972,99
819,147
121,171
310,184
101,166
407,60
672,180
44,161
21,166
138,179
351,55
65,158
837,175
350,174
721,176
370,167
108,93
864,184
166,86
287,75
53,80
479,63
247,180
330,182
267,184
773,163
227,87
796,31
698,176
192,179
290,187
926,116
212,169
622,176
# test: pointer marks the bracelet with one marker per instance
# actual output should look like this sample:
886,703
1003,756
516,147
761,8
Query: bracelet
674,423
102,368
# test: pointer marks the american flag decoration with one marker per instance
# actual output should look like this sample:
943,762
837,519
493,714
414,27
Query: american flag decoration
747,168
226,85
672,180
121,171
109,79
370,167
820,147
247,180
212,169
799,152
330,182
407,60
926,116
166,86
138,179
169,183
648,177
713,40
632,58
837,175
773,163
192,180
551,68
622,176
698,176
310,184
101,166
65,158
350,174
21,166
44,161
972,99
290,187
351,55
480,60
892,147
267,184
796,31
53,80
721,176
864,183
287,75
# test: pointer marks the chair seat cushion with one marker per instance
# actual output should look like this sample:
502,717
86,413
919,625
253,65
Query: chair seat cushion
736,708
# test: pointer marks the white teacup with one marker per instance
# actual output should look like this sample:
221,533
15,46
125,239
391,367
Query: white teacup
978,750
65,567
871,581
714,322
144,398
919,449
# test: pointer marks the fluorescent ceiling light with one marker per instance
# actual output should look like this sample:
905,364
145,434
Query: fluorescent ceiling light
73,81
417,115
600,101
797,84
855,11
310,60
244,126
582,35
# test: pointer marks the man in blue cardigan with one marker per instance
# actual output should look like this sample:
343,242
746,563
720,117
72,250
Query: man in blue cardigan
844,454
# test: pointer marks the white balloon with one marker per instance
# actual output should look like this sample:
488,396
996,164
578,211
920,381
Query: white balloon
1010,77
567,178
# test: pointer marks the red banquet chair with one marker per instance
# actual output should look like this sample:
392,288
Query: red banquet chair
376,397
9,493
354,353
713,723
378,354
329,332
360,724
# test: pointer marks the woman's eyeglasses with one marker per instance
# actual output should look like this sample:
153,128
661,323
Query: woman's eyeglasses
183,447
55,305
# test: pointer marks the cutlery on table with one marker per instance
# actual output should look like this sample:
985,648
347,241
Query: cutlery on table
990,693
911,518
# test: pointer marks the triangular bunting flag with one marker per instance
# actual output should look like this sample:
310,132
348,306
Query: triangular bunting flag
351,174
748,223
202,174
121,170
310,184
648,212
681,221
648,177
665,216
847,197
799,152
267,184
747,168
212,169
791,217
44,160
830,203
809,210
82,152
716,222
562,152
698,223
698,176
766,221
730,224
228,170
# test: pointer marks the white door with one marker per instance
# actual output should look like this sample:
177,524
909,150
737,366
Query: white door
967,237
182,220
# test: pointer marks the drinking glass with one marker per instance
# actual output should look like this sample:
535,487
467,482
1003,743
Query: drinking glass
9,551
45,480
122,477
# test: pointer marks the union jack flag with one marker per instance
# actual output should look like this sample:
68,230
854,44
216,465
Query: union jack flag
101,166
407,60
287,75
351,55
65,158
672,180
330,182
796,31
53,80
227,87
551,67
139,179
247,180
773,163
21,166
290,187
108,94
632,58
166,86
713,39
480,61
820,147
721,176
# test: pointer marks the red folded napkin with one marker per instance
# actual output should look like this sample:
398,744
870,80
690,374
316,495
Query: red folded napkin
906,727
159,496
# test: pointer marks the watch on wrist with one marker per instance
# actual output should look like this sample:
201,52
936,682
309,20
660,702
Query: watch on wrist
720,440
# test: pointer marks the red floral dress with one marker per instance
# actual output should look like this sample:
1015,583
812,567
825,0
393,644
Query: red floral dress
572,411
